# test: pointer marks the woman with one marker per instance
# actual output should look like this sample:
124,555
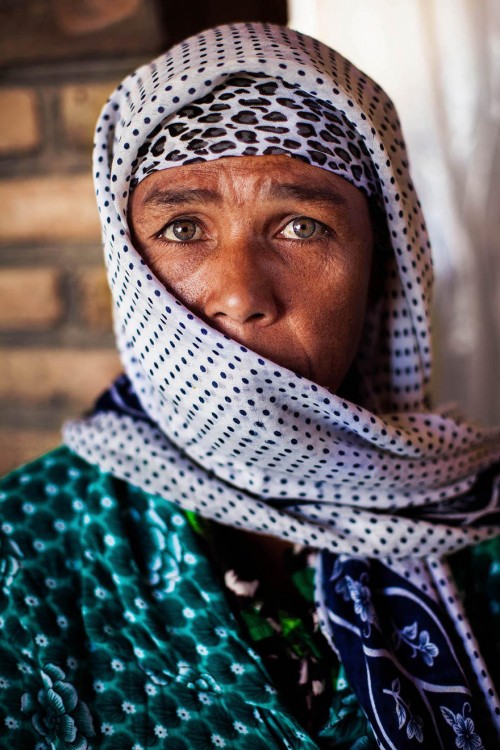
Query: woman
271,275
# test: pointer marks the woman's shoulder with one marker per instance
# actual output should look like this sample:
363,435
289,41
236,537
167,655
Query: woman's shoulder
59,504
45,495
46,474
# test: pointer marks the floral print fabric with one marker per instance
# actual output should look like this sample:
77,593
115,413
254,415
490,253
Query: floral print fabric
284,628
115,631
402,653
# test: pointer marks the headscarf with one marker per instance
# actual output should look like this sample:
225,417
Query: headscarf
218,429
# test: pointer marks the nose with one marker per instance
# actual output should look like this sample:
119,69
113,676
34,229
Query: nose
240,289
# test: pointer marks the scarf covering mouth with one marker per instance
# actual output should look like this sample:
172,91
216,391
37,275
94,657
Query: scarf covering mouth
218,429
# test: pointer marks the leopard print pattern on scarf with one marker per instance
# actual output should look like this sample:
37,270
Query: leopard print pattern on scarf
270,117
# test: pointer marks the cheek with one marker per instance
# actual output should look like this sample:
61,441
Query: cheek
178,273
332,315
339,296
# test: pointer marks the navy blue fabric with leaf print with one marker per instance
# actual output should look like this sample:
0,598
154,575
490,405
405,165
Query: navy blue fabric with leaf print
400,651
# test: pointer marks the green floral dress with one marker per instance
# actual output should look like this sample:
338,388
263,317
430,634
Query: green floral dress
116,631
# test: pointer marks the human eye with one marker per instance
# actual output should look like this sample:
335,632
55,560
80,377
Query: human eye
181,230
304,228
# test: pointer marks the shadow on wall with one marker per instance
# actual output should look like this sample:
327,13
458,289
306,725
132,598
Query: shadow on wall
60,59
43,30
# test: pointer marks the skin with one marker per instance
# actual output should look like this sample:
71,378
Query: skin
277,254
245,268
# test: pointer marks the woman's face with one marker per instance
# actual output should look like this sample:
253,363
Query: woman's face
273,252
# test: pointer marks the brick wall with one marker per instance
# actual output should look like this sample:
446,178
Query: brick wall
60,59
56,346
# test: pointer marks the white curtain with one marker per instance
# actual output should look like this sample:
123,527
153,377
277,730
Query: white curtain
440,62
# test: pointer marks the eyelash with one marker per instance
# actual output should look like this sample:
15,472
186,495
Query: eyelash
326,232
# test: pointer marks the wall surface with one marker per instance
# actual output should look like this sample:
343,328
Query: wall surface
60,61
61,58
56,347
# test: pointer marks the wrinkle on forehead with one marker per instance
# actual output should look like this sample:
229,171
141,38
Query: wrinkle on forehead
239,179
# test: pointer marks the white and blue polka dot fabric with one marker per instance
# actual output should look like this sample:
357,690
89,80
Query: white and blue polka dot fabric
222,431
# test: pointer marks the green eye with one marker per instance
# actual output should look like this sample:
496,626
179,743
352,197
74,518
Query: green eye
181,230
303,228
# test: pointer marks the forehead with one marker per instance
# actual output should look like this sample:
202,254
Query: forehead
245,178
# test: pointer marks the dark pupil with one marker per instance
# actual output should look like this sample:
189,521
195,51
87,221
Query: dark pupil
304,228
184,230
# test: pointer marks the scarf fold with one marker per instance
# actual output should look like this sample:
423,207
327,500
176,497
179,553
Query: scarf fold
215,428
351,516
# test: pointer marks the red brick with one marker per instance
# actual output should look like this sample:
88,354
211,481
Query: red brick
80,107
19,446
29,298
56,375
95,298
48,209
19,129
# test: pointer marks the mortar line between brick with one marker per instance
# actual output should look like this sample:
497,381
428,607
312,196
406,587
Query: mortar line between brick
64,255
56,339
76,71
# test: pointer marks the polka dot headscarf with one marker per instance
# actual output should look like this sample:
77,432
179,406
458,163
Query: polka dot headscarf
221,430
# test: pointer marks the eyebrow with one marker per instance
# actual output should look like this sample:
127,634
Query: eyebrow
178,196
308,193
